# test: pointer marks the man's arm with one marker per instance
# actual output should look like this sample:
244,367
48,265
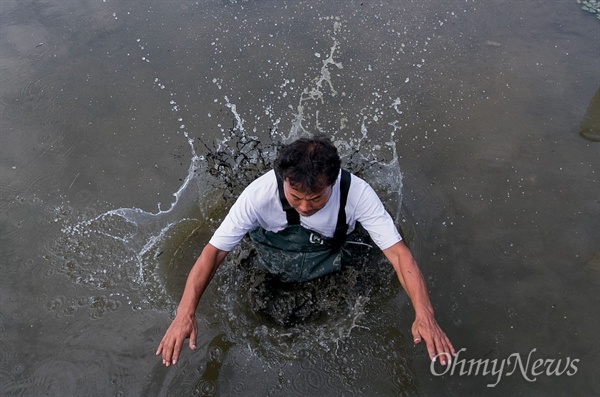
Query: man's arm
184,325
425,327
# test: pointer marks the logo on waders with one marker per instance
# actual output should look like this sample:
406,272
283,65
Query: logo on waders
315,239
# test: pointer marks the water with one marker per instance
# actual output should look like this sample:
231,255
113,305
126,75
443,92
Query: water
465,116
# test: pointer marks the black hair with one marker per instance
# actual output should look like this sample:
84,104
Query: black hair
309,164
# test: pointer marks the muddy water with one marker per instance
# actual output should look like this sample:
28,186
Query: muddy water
128,127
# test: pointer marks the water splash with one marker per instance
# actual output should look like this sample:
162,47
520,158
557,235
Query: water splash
146,255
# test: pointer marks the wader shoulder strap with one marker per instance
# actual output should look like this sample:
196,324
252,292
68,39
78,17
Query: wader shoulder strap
341,228
293,218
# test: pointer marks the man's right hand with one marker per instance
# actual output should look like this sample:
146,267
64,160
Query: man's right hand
170,346
184,325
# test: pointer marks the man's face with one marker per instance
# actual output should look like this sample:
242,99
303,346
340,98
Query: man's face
306,204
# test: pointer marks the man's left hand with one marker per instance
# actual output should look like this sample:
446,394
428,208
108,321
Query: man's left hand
438,345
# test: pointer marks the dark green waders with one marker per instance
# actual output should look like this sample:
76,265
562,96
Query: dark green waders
297,254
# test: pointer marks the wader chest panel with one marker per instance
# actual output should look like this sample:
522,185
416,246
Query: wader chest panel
298,254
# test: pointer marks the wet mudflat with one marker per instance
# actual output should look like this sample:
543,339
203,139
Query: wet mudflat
128,127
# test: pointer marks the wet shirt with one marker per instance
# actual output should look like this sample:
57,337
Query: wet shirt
259,205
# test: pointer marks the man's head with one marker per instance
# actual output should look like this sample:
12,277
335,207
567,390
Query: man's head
309,164
309,167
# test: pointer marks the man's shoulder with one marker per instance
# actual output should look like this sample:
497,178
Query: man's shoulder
358,183
266,179
262,189
362,194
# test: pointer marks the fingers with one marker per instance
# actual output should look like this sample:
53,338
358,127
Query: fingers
437,343
416,335
432,352
447,346
440,351
171,344
176,351
167,351
192,342
170,353
164,350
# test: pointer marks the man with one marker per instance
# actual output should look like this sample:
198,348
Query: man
298,217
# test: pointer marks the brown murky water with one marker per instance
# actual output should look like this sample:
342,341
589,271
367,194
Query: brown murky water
473,110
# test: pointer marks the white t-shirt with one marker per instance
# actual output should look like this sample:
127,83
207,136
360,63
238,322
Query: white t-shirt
259,205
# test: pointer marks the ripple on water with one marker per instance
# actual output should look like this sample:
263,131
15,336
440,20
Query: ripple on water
308,382
52,378
2,322
56,149
38,97
204,388
217,351
506,249
8,353
19,57
87,247
9,188
424,206
96,306
31,182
